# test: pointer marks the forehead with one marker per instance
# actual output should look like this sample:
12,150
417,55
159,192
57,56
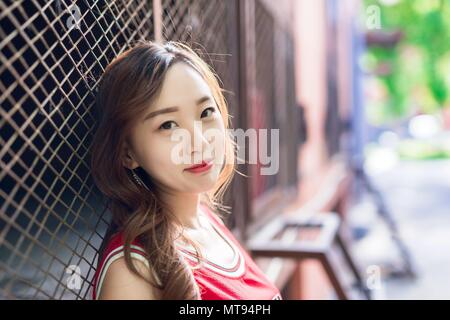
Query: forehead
182,84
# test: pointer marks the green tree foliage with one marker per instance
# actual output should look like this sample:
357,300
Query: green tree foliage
419,77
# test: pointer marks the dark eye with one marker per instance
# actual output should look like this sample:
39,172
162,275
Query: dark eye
210,108
166,125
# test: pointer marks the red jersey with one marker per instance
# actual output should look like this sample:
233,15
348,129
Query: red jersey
243,280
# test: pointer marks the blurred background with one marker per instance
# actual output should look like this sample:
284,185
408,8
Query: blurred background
360,91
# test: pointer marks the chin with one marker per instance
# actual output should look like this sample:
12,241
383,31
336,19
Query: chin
204,186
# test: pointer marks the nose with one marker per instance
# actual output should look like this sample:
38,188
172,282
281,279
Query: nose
199,143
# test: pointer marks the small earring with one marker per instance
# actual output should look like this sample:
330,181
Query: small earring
138,180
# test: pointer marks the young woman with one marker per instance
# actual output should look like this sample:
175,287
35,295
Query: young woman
166,240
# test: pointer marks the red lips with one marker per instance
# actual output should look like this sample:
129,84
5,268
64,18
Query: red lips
204,166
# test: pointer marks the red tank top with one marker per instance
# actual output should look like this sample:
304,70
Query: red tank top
243,280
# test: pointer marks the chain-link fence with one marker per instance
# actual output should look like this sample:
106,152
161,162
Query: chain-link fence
52,53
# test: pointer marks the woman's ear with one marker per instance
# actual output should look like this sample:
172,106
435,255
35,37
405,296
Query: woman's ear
129,160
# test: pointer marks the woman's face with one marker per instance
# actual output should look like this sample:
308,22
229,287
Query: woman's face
184,108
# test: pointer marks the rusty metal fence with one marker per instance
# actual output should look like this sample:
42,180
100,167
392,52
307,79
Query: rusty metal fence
52,53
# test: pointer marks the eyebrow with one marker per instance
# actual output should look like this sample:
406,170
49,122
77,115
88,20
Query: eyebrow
173,109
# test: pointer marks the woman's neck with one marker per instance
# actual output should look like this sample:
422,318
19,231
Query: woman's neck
186,207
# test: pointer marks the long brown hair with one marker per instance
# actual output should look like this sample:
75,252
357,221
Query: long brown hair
130,82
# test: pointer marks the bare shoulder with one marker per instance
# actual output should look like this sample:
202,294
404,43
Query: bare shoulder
120,283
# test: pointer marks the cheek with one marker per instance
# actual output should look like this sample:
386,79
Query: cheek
155,157
219,142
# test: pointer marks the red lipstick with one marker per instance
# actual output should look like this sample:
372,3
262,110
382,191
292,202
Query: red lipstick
202,167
